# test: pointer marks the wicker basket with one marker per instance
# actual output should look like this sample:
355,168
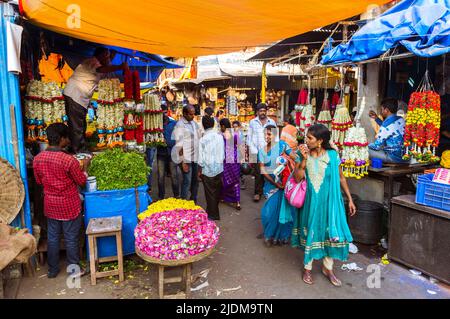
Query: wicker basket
174,263
12,192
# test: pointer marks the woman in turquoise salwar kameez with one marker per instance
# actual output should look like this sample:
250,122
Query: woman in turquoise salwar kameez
276,214
320,226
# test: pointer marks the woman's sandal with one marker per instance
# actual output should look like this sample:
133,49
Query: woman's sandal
238,206
307,277
331,277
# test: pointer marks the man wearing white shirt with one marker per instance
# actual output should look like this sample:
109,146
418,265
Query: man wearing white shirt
210,160
79,90
255,142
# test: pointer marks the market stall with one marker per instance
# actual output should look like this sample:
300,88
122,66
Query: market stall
123,119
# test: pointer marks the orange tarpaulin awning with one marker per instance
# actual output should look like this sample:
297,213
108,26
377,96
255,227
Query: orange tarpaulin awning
188,28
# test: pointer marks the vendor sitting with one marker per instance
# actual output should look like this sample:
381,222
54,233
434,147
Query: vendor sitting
389,143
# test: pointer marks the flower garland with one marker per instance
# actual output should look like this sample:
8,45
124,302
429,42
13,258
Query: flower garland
325,114
307,118
340,125
355,154
423,122
167,205
110,113
153,121
44,105
176,234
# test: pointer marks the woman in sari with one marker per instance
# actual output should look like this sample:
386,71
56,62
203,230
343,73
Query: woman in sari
276,214
320,226
231,190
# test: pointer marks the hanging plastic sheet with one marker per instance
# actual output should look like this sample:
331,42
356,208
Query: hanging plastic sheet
188,28
421,26
116,203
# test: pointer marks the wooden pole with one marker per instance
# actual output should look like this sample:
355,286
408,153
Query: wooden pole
14,142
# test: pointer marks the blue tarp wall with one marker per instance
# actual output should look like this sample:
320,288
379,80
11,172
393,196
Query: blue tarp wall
9,95
421,26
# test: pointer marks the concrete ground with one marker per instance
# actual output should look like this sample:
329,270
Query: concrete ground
242,267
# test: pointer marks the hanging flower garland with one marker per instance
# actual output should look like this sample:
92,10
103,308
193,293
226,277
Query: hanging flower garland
307,118
423,122
153,121
44,105
325,114
355,154
110,113
340,125
176,235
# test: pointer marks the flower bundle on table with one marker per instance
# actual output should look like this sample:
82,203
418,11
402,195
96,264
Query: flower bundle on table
340,125
44,105
355,155
423,122
168,204
110,113
176,234
153,121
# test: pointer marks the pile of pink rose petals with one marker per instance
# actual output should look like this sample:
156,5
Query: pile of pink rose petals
176,235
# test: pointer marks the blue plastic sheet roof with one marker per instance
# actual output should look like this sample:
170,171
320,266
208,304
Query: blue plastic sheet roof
421,26
74,51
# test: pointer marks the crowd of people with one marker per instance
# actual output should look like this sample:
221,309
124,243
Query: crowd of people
214,150
217,153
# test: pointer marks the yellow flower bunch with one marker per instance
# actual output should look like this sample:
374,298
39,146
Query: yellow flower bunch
167,205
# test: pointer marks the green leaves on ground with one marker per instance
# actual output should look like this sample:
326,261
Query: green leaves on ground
115,169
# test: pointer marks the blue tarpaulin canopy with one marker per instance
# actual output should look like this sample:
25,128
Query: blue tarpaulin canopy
75,50
421,26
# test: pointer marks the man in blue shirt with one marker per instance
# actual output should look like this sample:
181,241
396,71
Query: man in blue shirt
389,143
164,157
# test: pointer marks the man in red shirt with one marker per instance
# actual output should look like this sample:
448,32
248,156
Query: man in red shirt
61,175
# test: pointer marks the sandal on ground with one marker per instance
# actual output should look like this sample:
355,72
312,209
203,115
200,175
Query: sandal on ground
256,198
307,277
331,277
238,206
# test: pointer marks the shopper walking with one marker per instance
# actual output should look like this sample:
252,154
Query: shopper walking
211,158
231,192
276,204
320,226
256,141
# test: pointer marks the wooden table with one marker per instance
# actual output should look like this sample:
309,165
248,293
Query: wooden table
420,237
389,174
184,278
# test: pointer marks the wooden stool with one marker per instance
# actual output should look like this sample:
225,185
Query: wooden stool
184,278
103,227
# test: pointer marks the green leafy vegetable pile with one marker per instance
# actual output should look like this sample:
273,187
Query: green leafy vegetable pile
115,169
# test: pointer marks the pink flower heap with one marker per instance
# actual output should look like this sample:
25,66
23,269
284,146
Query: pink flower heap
176,235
